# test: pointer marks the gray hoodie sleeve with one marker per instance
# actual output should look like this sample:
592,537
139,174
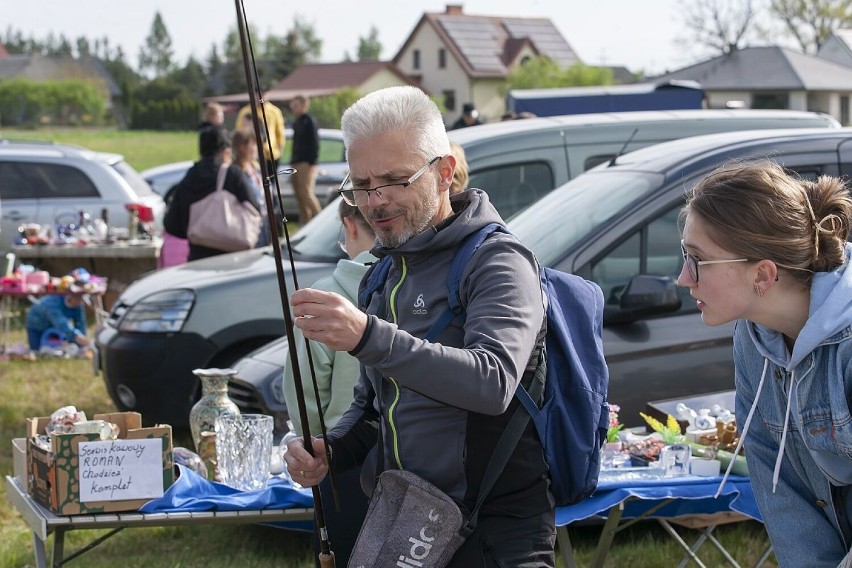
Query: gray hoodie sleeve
502,296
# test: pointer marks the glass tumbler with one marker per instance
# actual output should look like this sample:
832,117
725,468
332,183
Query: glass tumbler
243,450
675,460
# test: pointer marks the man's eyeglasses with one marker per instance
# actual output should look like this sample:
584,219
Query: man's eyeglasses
693,263
359,196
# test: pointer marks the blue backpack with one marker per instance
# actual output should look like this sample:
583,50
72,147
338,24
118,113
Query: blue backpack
573,415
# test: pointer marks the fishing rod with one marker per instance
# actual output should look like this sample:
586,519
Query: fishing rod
326,556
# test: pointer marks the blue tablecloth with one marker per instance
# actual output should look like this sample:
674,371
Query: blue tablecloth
192,493
691,495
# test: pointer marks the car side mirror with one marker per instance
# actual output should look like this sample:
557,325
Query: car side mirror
644,296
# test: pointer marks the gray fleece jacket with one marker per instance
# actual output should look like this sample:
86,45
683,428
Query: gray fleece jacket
446,403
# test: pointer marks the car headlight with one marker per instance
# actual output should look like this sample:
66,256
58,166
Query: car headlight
163,312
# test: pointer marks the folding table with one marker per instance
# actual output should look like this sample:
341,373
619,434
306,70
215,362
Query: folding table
280,504
625,497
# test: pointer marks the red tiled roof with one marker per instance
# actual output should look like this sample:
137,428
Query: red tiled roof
334,76
3,53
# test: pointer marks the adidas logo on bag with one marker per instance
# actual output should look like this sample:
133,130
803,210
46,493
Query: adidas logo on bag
421,547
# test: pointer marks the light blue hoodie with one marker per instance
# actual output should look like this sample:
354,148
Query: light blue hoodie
799,451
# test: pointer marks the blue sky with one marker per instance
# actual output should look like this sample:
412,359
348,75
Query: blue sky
637,34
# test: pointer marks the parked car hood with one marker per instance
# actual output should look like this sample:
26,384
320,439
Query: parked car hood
222,270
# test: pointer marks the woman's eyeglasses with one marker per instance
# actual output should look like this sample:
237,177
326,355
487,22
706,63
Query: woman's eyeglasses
693,263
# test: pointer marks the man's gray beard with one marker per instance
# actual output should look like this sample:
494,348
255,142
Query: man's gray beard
423,215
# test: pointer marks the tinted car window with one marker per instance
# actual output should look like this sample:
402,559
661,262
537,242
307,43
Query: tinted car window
660,241
593,161
47,181
614,271
513,187
13,183
331,151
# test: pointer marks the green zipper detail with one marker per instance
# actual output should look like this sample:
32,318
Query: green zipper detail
392,302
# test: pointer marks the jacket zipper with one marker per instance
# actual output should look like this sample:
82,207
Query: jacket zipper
391,423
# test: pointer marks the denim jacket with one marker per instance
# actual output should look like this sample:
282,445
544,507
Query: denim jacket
793,413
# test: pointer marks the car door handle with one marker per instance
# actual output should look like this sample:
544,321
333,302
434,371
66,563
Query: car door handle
14,215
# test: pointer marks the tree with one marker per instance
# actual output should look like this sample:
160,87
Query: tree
84,49
369,48
811,22
542,72
191,76
720,25
328,110
158,53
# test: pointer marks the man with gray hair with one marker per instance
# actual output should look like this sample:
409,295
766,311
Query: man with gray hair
443,403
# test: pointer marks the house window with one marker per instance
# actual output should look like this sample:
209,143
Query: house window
844,110
442,58
770,101
416,58
450,100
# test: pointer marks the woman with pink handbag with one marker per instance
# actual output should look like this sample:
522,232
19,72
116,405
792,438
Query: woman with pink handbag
208,231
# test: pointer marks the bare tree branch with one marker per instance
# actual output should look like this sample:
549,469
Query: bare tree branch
811,22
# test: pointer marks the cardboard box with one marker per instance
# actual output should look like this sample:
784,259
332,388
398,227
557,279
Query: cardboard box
103,475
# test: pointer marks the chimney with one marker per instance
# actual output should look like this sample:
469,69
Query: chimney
454,10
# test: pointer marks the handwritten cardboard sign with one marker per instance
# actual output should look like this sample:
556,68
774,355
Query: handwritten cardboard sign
120,469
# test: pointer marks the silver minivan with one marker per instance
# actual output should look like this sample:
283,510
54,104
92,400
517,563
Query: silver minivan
212,312
49,184
520,161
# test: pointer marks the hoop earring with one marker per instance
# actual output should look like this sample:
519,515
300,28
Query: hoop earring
759,291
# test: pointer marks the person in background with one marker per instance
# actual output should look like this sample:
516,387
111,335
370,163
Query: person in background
212,115
275,125
304,158
769,250
469,117
460,175
175,250
64,313
336,374
442,404
244,147
200,181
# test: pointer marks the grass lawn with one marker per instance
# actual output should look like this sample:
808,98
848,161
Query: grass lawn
141,148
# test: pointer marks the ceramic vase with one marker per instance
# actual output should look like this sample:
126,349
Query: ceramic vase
214,402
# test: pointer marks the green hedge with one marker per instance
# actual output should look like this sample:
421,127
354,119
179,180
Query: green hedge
178,113
35,103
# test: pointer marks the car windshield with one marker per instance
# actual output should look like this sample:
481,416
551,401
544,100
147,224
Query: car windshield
317,240
586,203
561,219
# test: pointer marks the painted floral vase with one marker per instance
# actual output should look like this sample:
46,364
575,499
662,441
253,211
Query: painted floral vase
214,402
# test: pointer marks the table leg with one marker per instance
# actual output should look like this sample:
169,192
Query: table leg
6,315
40,552
607,535
58,546
566,551
763,557
689,551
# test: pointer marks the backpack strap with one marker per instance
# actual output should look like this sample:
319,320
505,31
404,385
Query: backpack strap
375,279
464,254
